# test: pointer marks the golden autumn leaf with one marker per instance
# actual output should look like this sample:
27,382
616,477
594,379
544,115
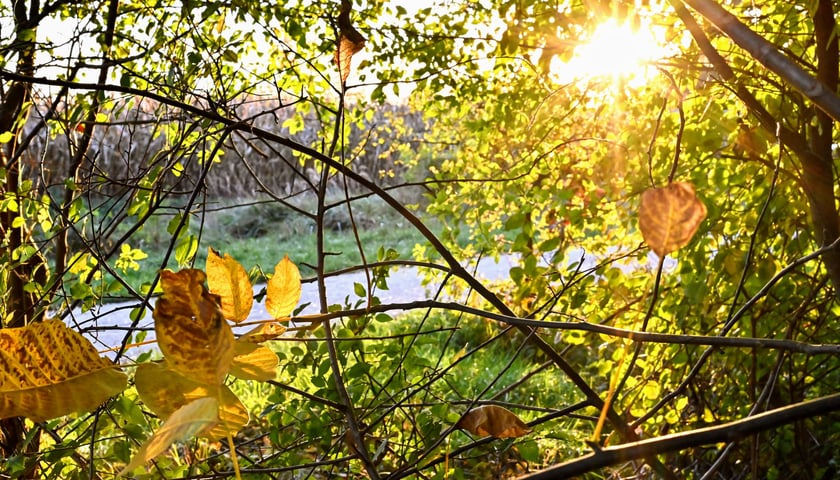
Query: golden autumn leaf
283,289
670,216
492,420
228,279
191,331
264,332
253,362
164,391
48,370
185,422
350,41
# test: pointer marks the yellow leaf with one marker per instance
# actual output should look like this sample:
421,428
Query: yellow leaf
48,370
253,362
191,331
669,217
264,332
350,41
164,391
186,422
229,280
283,289
494,421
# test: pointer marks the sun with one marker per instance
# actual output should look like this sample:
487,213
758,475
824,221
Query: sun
614,50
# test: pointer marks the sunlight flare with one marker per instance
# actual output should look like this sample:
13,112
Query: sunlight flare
615,50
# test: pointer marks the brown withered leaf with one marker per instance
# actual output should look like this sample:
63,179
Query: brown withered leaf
48,370
350,41
669,217
228,279
192,333
494,421
283,289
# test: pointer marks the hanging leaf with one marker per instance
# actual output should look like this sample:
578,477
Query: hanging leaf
228,279
350,41
283,289
253,362
48,370
264,332
669,217
191,331
492,420
164,391
186,422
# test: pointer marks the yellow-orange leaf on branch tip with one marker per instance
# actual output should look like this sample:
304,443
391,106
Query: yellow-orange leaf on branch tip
494,421
187,421
48,370
191,331
283,289
350,41
669,217
263,332
228,279
163,391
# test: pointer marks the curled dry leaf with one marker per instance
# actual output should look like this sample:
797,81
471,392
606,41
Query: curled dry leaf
283,289
191,331
264,332
228,279
494,421
48,370
350,41
670,216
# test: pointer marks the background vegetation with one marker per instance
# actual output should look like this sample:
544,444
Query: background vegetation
135,136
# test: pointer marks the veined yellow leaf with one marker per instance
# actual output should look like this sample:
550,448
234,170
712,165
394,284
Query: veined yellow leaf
186,422
164,391
191,331
283,289
228,279
253,361
48,370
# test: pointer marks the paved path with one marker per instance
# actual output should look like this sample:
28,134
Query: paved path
405,285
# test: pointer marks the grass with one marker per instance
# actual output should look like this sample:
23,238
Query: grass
453,373
258,235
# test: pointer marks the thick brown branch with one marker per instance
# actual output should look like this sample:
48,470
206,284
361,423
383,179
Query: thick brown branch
727,432
767,54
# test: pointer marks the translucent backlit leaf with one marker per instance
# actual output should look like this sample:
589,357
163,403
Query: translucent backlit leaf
185,422
492,420
669,217
48,370
350,41
264,332
283,289
163,391
253,362
228,279
191,331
